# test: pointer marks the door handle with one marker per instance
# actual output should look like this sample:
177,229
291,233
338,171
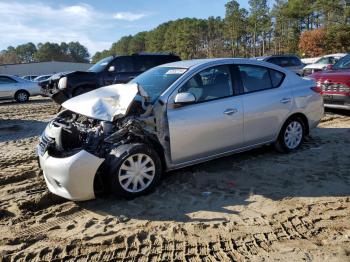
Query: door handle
285,100
230,111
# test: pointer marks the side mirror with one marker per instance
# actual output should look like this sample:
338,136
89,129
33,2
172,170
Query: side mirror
111,69
184,98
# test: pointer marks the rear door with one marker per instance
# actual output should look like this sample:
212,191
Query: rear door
213,124
266,102
8,86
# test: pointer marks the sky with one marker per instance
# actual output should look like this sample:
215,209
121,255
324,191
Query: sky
95,24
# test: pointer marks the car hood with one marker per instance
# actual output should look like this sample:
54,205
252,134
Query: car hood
336,75
107,103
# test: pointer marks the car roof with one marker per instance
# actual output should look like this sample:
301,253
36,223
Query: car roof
187,64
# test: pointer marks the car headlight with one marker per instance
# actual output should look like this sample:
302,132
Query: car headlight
62,83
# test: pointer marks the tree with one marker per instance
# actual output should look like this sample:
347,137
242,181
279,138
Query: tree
77,52
312,43
26,52
235,23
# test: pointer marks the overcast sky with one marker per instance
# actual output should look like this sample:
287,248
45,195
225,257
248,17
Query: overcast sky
95,24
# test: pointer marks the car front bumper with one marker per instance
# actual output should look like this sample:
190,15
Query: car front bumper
71,177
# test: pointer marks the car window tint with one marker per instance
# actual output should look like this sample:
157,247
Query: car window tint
274,60
255,78
294,61
124,64
276,77
143,63
6,80
211,83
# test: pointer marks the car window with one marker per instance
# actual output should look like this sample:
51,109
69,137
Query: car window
293,61
256,78
124,64
6,80
211,83
143,63
274,60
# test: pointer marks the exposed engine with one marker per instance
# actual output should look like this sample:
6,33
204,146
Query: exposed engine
70,132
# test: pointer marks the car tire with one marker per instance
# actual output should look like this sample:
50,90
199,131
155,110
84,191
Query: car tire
291,135
134,170
22,96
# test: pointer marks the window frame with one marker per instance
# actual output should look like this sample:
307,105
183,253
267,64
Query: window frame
14,81
234,83
241,86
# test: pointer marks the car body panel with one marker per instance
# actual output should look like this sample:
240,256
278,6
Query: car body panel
74,179
8,90
194,133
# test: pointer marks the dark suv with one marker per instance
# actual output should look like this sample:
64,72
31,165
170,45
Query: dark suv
110,70
290,62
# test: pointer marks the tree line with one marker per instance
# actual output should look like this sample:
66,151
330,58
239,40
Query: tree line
28,53
303,27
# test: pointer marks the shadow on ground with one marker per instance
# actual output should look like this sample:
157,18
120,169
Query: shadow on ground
14,129
319,169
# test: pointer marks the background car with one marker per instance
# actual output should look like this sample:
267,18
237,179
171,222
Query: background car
42,78
29,77
334,85
196,111
322,63
113,69
290,62
17,88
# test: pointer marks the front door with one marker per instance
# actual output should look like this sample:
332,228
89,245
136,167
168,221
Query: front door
210,126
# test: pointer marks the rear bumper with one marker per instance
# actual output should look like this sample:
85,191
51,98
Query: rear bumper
336,101
71,177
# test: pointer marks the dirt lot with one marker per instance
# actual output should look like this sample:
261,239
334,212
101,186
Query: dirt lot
256,206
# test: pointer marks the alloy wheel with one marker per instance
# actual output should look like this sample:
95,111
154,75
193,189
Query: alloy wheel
293,135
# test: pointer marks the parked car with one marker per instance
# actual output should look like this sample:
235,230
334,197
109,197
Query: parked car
42,78
29,77
13,87
322,63
122,137
290,62
334,85
113,69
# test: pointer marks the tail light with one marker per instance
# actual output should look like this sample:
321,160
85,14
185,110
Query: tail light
316,89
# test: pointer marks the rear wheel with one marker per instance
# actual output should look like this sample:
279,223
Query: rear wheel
291,135
135,172
22,96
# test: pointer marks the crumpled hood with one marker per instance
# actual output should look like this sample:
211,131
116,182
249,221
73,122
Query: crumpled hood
106,103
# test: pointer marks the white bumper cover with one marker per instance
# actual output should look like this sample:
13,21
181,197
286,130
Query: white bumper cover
71,177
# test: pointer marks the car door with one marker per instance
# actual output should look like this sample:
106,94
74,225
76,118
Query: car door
210,126
124,69
266,102
8,86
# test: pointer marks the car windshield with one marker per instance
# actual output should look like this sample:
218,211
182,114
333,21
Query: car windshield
156,80
343,63
323,60
100,65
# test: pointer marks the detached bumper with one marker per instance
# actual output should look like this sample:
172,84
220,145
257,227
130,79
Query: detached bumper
71,177
336,101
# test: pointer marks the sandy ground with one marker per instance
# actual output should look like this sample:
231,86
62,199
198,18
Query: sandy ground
255,206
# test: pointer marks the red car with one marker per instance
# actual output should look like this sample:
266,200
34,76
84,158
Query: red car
334,85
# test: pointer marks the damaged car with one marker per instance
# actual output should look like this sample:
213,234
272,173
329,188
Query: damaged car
122,138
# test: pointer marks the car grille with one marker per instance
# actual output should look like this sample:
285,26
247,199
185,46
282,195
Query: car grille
333,87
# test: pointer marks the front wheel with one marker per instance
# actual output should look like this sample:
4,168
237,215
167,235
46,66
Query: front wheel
134,172
291,135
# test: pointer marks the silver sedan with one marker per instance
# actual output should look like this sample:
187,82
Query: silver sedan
13,87
123,137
